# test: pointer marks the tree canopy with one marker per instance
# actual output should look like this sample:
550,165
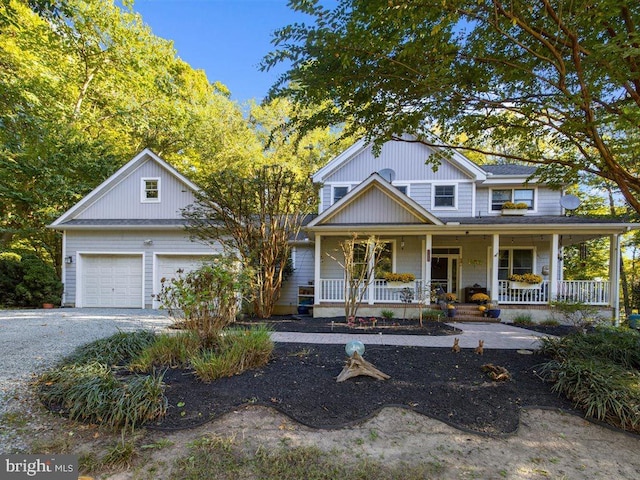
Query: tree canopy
552,83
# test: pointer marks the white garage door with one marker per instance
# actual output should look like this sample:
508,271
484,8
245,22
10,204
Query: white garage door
112,281
167,267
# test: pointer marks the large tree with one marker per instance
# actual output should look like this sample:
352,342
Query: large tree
85,85
254,215
549,82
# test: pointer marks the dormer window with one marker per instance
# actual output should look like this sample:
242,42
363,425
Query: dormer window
339,192
150,190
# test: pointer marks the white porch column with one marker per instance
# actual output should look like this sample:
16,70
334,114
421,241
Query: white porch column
426,265
316,273
495,258
553,267
371,245
614,276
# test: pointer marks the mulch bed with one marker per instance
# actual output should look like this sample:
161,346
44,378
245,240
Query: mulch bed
300,382
361,325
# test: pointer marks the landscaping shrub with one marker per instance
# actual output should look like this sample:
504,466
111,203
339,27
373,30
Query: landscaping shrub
11,273
523,319
27,281
578,314
117,349
91,392
387,314
599,372
238,350
167,350
206,299
432,315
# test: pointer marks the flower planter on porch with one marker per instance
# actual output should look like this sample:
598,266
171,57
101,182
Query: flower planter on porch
514,211
401,284
523,285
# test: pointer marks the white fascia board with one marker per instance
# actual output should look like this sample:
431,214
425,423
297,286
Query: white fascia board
337,161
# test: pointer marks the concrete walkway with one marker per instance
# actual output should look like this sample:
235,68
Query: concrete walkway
495,336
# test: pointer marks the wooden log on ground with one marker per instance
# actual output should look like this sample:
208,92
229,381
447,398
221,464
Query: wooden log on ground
356,366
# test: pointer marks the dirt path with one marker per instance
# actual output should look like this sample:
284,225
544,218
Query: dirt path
548,445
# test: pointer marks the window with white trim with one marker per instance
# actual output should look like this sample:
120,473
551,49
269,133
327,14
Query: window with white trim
515,261
403,189
444,196
150,190
338,192
516,195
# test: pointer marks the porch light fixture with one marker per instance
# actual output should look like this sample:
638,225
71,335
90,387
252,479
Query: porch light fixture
148,242
402,243
68,259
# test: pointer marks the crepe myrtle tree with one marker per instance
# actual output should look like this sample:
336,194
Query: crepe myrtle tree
551,83
254,214
358,259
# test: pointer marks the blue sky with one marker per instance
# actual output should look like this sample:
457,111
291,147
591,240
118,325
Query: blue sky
225,38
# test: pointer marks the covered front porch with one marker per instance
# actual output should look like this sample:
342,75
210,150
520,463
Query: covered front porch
459,261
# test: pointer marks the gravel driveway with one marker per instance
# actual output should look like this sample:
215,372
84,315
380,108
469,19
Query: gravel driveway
32,340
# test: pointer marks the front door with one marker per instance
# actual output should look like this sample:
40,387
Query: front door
444,272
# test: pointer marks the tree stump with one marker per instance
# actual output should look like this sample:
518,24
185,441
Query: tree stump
356,366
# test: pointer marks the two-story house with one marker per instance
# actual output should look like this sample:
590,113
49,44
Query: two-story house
446,226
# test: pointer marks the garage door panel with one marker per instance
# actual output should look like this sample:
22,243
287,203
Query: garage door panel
168,266
112,281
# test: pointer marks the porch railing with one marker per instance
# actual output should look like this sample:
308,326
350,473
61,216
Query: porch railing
332,290
592,292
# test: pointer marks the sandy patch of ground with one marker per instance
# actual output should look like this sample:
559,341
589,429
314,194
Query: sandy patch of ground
548,445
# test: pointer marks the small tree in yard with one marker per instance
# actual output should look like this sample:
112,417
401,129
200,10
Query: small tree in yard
206,299
359,260
254,215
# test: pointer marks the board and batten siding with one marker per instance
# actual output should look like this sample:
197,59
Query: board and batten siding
373,206
123,201
130,242
407,160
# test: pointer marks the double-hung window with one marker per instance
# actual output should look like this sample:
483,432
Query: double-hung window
444,196
515,261
150,190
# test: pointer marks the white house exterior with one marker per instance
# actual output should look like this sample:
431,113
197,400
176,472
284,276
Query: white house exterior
444,226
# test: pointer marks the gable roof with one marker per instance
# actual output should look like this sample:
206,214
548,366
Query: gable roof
453,156
375,183
101,190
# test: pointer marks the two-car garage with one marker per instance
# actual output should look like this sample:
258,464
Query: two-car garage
119,280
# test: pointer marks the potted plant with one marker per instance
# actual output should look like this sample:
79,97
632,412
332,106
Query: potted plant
400,280
511,208
480,298
451,310
493,310
524,281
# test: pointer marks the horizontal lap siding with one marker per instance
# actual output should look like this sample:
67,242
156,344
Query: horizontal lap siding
108,242
373,206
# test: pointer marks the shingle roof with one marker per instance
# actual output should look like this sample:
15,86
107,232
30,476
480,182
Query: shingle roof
509,169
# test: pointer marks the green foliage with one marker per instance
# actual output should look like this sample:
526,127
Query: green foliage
255,212
578,314
117,349
27,281
550,322
167,350
552,83
206,298
432,315
523,319
387,314
91,392
599,372
238,350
